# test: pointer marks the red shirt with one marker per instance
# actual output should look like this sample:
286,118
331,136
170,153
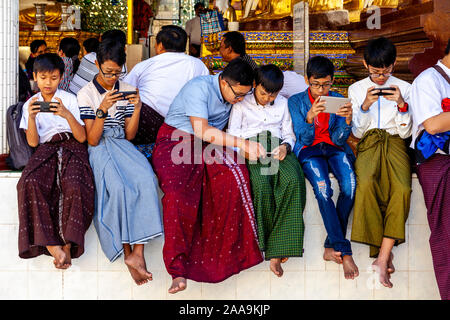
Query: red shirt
321,124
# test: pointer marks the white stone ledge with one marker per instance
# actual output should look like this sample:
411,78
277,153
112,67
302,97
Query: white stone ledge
92,276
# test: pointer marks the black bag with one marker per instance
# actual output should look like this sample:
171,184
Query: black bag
19,149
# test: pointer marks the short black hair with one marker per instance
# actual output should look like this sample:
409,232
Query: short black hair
115,34
239,71
91,45
380,53
198,4
110,49
447,50
48,62
173,38
34,46
270,77
319,67
236,40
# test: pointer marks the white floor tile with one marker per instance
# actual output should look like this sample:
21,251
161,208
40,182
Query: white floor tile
225,290
114,285
291,286
45,285
400,290
82,285
13,285
423,286
253,285
321,285
9,253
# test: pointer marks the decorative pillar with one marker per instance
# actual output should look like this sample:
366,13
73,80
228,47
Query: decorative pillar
130,22
9,62
301,36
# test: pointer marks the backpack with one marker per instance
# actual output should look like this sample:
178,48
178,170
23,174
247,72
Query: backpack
19,149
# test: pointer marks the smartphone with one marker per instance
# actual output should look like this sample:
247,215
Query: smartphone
382,91
45,106
333,104
125,93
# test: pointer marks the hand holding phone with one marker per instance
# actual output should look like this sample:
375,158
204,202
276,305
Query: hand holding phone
125,94
385,91
45,106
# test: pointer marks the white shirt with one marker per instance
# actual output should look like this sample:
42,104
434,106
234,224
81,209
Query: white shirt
248,118
160,78
193,30
91,96
49,124
382,114
293,84
427,92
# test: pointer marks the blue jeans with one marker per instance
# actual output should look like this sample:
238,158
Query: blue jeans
317,161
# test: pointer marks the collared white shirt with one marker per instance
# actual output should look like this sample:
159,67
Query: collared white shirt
49,124
91,96
248,118
427,92
160,78
382,114
293,84
193,30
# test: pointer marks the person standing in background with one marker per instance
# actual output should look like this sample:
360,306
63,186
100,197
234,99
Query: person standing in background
193,30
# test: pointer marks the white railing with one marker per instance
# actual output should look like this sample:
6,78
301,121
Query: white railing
9,62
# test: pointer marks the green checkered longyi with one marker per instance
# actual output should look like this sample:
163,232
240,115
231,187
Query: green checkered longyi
279,200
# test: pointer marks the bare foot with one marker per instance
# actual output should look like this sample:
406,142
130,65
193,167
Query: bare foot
58,253
381,268
178,284
138,269
330,255
391,268
68,260
350,269
283,260
275,267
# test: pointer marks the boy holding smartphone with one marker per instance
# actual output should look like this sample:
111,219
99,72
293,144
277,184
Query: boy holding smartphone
56,189
321,148
381,120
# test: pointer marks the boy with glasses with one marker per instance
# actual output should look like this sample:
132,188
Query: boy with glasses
381,120
321,147
209,227
127,209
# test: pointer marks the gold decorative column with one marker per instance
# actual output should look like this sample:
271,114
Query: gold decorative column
130,22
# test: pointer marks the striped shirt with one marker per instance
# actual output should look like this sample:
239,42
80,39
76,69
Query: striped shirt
91,96
250,61
67,76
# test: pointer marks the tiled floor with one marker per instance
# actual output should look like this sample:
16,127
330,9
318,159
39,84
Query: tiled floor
93,277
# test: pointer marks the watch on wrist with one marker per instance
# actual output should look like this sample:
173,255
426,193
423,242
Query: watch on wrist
101,114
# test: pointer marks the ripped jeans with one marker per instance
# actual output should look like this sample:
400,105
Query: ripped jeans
317,161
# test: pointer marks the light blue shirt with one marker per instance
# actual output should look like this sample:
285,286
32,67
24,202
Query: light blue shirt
200,97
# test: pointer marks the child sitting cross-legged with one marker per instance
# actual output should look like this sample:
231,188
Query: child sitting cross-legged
56,189
278,185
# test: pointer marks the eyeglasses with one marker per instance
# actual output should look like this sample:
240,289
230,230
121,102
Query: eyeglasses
318,85
385,74
112,75
236,96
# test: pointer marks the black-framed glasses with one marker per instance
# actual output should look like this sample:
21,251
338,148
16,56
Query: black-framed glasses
318,85
112,75
236,96
384,74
